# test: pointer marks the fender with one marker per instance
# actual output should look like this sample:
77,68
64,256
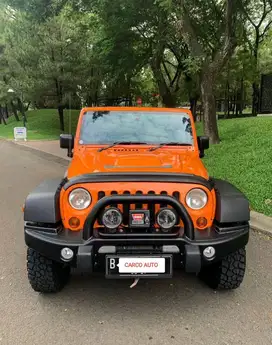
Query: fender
42,204
232,205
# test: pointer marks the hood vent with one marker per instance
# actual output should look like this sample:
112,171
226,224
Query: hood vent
126,150
169,166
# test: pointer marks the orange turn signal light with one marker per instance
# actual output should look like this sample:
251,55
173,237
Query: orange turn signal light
201,222
74,222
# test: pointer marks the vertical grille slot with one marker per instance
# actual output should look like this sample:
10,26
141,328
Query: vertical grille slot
139,205
152,210
126,209
163,193
100,195
113,192
176,195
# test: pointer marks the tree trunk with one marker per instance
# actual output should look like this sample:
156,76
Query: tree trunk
233,104
6,111
238,102
168,97
2,116
226,101
14,110
27,107
237,105
22,110
193,104
209,107
255,98
255,86
241,97
61,116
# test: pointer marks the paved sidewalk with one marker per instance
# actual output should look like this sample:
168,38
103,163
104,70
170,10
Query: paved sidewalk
49,146
258,222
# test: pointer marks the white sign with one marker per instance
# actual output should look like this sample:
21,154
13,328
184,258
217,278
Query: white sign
141,265
20,133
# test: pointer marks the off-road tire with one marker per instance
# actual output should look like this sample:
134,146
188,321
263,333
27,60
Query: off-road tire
46,275
228,273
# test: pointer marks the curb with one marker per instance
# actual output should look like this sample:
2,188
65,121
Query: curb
258,221
261,223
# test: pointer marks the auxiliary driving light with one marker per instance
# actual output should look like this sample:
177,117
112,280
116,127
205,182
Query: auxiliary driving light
166,218
67,254
112,218
209,252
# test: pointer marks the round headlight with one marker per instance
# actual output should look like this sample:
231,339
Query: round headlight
166,218
112,218
196,199
80,198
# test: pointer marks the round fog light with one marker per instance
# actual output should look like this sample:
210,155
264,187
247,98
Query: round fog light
209,252
67,254
112,218
166,219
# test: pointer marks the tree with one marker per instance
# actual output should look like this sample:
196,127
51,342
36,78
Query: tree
50,59
258,15
62,53
139,34
210,31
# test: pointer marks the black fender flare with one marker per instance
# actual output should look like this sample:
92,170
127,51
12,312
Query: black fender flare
232,206
42,205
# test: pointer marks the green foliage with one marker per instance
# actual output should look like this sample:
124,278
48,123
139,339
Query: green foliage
42,124
60,52
265,55
51,61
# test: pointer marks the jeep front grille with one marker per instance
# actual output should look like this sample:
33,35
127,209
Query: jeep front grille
126,208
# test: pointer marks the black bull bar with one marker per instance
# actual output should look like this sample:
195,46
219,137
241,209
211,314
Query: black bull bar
133,199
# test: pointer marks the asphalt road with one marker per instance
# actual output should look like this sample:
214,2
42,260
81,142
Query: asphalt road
98,311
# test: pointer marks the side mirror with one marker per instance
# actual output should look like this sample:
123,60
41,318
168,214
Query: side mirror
203,144
67,142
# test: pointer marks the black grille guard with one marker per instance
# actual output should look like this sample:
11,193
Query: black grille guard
132,199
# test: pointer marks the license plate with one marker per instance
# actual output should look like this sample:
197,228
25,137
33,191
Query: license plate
139,266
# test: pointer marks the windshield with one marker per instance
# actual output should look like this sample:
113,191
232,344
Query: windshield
107,127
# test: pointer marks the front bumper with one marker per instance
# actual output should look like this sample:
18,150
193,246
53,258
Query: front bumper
90,248
88,254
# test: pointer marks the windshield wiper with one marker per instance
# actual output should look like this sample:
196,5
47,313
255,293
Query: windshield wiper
121,143
168,144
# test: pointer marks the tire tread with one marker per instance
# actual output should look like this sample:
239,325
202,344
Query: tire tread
228,273
45,275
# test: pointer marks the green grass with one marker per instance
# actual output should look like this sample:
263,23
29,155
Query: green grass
41,124
243,157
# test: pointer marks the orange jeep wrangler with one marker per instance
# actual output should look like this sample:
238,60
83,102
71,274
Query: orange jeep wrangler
136,202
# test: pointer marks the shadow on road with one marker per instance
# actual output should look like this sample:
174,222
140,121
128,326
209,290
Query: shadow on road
183,293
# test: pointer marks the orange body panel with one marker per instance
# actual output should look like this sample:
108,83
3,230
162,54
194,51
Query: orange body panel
67,211
136,158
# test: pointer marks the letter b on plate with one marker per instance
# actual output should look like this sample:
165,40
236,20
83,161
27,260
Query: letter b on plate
112,264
